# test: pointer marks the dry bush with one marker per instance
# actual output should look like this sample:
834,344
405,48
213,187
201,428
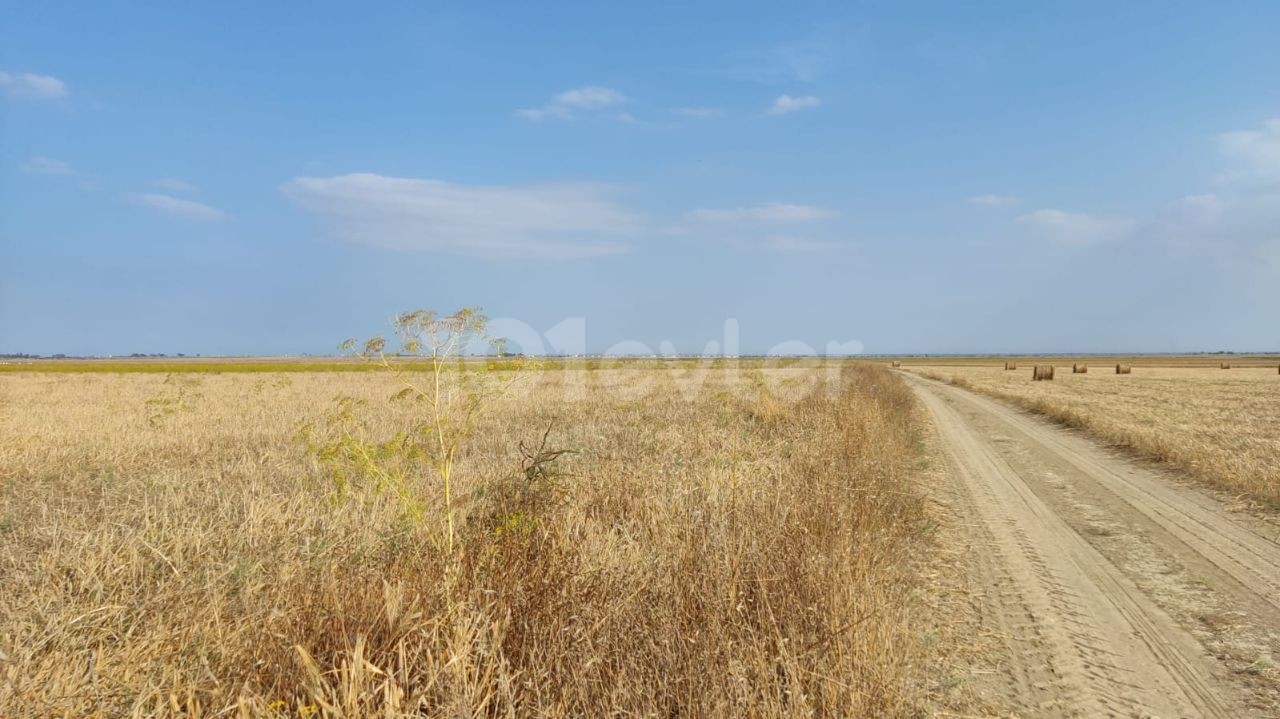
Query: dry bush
1042,372
732,554
1221,428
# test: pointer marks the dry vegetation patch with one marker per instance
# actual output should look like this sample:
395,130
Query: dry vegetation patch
168,547
1222,427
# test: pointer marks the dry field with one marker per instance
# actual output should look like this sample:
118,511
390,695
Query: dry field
1201,361
168,547
1222,426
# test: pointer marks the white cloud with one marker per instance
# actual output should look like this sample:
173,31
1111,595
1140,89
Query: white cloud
698,113
1241,222
1254,153
1198,209
171,184
178,207
566,104
753,227
1236,227
786,103
1239,226
543,113
1075,228
1184,224
29,84
536,221
49,166
590,98
993,200
772,212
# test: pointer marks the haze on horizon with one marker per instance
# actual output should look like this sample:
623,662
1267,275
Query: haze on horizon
935,177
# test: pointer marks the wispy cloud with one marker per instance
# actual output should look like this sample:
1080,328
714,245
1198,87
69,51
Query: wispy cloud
805,60
1075,228
786,103
49,166
755,228
547,221
698,113
1235,225
788,245
993,200
771,212
172,184
590,98
570,102
178,207
1241,221
28,84
1254,153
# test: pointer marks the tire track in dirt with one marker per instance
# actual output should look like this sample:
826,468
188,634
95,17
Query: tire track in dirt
1083,639
1246,551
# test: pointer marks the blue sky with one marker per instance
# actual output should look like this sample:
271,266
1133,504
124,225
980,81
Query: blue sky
256,178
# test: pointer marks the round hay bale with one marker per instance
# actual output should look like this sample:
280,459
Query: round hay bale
895,363
1042,372
1123,369
1224,365
1079,368
1010,365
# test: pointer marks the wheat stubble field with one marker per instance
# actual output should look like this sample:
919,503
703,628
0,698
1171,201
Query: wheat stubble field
1219,425
170,547
639,539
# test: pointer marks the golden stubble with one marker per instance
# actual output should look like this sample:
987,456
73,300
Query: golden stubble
166,547
1221,426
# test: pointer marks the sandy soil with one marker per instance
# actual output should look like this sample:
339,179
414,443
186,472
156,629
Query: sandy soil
1111,588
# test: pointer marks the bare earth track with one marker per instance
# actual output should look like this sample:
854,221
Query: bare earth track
1114,590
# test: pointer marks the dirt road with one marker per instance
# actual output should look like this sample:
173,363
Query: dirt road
1112,589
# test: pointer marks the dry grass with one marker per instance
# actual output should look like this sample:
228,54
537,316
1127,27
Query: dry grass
272,365
165,550
1222,427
